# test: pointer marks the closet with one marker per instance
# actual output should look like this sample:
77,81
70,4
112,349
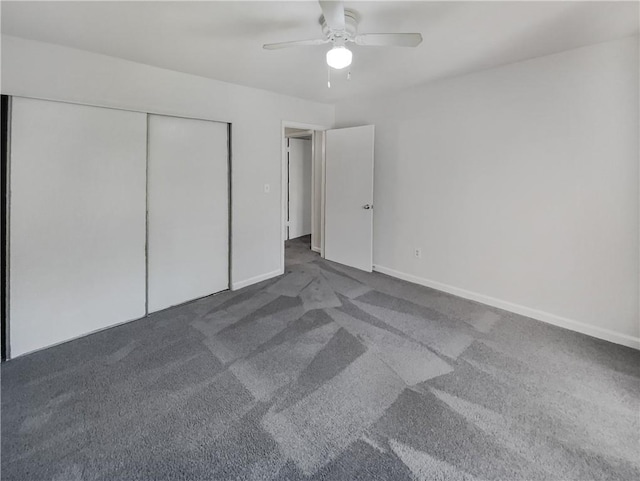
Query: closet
112,214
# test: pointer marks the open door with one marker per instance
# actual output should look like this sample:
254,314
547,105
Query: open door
349,197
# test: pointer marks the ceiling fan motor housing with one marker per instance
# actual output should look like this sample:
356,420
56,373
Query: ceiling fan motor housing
351,19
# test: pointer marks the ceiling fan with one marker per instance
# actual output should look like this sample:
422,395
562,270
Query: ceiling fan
339,27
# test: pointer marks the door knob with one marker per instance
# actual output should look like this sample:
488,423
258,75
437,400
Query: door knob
367,207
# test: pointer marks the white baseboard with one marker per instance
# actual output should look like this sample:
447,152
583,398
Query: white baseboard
593,331
315,249
254,280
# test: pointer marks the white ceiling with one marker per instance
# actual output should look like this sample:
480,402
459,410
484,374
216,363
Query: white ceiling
223,40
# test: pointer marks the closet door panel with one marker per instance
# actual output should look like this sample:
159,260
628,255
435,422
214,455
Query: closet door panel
188,252
77,221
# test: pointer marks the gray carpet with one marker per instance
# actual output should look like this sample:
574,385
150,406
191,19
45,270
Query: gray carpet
324,373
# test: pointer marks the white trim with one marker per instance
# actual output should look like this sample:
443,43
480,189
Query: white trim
254,280
305,133
323,173
7,246
314,234
84,103
317,197
573,325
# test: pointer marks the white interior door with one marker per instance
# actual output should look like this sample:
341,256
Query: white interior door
349,197
77,221
188,230
300,166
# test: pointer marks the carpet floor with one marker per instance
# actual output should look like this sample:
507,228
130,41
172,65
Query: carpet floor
324,373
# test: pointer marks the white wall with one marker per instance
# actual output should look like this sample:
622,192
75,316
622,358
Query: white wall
519,184
41,70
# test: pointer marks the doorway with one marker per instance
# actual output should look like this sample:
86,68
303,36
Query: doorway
302,190
299,182
341,194
299,202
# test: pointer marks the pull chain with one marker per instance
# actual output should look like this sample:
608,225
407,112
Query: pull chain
349,75
328,77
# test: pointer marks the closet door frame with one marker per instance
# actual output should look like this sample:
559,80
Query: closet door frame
5,352
5,206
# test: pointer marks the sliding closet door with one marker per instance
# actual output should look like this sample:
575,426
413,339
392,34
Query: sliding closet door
77,221
188,252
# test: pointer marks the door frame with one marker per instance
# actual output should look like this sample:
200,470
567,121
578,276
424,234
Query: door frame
5,352
284,179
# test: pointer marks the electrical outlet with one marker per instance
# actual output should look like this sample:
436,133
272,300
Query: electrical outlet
417,253
267,188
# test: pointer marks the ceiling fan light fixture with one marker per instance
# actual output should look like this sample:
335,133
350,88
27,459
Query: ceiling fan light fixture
339,57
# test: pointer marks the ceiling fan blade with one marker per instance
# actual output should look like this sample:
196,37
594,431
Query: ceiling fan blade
295,43
389,39
333,12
